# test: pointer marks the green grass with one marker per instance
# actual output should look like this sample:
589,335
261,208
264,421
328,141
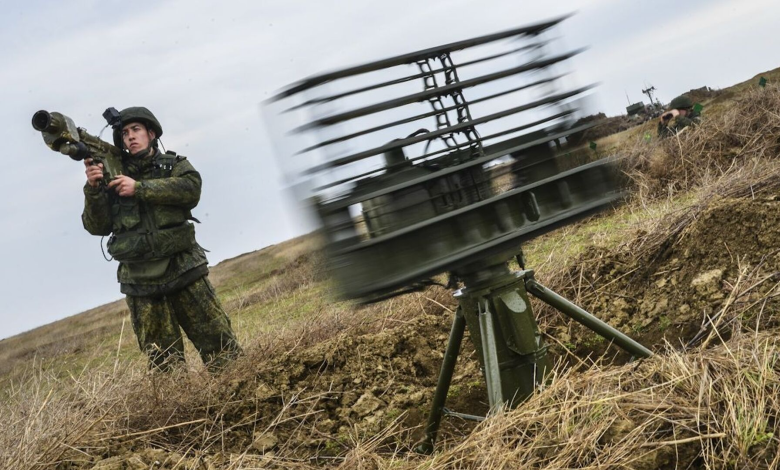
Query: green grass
605,230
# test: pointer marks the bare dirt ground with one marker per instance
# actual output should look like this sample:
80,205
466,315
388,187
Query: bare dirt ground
728,256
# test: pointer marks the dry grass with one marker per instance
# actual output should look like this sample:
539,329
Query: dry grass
707,409
714,405
115,411
745,134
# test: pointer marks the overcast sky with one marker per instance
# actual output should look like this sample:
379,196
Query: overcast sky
204,67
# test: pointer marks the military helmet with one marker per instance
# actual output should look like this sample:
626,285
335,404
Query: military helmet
681,102
137,114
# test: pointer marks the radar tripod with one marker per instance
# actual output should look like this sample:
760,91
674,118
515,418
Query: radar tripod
494,307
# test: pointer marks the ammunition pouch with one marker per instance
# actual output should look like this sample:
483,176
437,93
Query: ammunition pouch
142,245
146,270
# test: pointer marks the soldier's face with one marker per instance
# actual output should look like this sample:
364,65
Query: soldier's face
136,137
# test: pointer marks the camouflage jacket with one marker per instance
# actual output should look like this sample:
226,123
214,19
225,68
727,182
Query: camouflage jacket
180,190
677,124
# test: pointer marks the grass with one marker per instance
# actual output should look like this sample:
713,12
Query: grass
75,343
77,393
605,230
681,408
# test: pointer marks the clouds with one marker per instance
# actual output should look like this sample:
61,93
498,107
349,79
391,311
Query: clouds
678,49
684,34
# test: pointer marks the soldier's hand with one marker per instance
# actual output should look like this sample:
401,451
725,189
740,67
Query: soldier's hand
94,172
669,115
123,185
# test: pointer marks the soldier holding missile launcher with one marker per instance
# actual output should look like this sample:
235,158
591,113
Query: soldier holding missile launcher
142,198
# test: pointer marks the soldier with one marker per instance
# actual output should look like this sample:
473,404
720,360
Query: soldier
680,115
162,269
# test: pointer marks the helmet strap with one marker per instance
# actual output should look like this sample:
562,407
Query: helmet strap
153,142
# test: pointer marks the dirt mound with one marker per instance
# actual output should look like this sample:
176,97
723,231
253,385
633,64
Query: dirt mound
724,262
361,384
703,94
603,126
309,401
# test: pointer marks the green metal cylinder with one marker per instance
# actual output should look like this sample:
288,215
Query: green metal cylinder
581,316
517,348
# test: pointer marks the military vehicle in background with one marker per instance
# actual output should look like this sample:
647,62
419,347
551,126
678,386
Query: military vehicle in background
603,126
641,112
635,109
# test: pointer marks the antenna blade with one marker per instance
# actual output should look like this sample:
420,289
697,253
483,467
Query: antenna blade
429,114
433,92
415,56
447,130
408,78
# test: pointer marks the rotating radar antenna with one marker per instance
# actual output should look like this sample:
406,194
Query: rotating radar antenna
446,160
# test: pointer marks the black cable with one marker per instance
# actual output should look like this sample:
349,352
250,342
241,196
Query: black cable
101,131
103,251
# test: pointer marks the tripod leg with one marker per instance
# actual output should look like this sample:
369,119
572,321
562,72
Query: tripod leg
443,385
580,315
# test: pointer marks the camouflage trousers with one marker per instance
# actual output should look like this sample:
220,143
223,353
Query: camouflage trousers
158,321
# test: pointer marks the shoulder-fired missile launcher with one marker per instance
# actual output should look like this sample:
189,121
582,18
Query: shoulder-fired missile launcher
62,135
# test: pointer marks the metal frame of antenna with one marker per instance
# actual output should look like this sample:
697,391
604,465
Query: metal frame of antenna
436,210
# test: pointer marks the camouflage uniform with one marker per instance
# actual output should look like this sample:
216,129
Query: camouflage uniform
673,126
164,291
677,124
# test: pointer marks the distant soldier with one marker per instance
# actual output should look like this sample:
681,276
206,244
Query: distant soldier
162,269
679,116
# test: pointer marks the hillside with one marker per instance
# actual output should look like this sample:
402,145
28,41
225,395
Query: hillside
333,384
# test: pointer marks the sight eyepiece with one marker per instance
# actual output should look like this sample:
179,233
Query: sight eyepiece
112,117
